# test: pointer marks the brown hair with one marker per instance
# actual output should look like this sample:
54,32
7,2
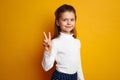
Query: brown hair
58,13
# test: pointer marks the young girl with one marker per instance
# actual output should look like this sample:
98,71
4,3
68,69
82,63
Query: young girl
64,48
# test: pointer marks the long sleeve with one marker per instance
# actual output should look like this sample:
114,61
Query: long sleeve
49,58
80,72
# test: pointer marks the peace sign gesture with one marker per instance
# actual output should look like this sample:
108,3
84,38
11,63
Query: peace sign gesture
47,42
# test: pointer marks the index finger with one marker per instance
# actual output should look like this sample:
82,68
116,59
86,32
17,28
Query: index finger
49,36
45,35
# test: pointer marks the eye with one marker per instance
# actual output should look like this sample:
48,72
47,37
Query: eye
64,19
72,19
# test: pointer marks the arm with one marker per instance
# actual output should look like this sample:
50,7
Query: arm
49,57
80,72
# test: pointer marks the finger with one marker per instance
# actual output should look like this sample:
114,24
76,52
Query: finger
45,41
45,35
45,45
49,36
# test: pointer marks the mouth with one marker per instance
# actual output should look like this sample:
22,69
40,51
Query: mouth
68,26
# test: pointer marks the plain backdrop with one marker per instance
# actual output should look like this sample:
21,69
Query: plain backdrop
23,21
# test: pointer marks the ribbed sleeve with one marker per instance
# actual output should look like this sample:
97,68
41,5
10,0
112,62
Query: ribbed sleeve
80,72
49,58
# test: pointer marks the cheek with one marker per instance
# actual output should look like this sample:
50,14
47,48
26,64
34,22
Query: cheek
62,23
73,22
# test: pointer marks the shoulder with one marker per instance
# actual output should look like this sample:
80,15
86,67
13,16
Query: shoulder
78,42
54,41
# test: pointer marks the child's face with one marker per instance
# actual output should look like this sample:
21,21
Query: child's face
66,21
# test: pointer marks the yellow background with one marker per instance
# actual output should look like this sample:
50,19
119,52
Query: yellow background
23,21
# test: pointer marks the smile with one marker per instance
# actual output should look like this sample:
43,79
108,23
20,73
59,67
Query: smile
68,26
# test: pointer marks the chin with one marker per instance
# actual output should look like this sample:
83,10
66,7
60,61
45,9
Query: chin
68,31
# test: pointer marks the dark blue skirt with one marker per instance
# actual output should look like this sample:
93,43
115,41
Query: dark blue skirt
63,76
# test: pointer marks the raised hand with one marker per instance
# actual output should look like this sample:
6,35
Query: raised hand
47,42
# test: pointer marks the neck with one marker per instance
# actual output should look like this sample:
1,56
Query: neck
65,32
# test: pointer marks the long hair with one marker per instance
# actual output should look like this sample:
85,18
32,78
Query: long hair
58,13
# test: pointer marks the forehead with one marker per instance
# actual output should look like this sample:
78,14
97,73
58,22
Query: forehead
68,14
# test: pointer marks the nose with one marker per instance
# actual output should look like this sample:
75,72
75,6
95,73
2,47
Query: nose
68,22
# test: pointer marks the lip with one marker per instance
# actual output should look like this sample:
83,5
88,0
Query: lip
68,26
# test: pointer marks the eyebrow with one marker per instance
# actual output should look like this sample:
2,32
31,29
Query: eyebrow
68,18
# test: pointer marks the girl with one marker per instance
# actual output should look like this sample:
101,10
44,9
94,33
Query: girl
64,48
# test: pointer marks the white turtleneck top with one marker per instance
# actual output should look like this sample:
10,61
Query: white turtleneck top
66,52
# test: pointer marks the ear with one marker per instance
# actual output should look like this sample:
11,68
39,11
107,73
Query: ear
57,23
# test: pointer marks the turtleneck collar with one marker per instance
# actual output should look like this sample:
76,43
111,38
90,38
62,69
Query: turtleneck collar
62,34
